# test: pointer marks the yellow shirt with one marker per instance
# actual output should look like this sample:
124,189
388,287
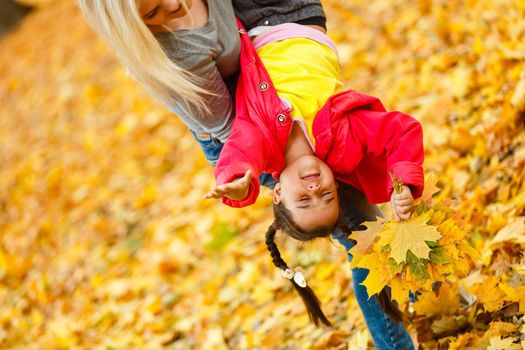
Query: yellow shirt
304,72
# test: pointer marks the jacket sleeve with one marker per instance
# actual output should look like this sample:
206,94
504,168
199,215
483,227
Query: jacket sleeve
398,138
244,150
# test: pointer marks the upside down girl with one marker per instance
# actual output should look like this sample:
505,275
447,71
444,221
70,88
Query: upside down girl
186,54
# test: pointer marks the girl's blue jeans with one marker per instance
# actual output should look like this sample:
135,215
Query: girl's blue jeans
387,334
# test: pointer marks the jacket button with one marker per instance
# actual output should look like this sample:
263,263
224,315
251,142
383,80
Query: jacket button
266,22
281,118
263,86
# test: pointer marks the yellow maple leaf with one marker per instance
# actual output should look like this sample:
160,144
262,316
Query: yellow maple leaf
513,231
376,279
464,341
489,294
400,290
447,324
450,231
445,303
514,294
467,250
373,286
436,273
519,93
365,238
430,189
497,343
437,216
411,235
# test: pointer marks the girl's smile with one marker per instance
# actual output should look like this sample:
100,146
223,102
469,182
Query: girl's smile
308,190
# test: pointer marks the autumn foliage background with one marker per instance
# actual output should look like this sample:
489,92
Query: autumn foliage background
105,242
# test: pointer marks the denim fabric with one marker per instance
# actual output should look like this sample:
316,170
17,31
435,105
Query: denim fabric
267,180
212,149
387,334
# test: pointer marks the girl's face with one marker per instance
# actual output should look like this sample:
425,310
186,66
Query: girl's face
307,188
159,13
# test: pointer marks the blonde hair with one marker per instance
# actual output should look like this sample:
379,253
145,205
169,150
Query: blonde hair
119,24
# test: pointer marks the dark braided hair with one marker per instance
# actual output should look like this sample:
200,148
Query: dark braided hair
313,306
347,222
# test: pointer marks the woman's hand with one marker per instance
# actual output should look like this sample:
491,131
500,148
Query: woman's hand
236,190
402,203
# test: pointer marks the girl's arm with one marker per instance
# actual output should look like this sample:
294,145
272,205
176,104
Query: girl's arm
245,151
236,190
396,136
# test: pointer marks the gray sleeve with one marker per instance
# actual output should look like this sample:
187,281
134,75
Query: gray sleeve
210,53
218,123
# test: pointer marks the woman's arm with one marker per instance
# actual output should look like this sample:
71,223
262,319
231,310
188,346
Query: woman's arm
219,120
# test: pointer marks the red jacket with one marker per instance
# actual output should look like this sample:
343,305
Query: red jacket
354,135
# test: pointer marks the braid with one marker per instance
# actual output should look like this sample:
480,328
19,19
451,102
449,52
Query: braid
272,247
313,306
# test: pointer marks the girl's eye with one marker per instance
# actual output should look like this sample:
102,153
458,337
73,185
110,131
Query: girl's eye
326,194
303,199
152,13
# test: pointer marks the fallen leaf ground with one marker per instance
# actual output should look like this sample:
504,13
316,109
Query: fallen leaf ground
106,243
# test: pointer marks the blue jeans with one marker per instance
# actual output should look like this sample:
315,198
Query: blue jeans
386,333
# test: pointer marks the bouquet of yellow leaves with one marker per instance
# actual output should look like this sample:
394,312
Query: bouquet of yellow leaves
410,256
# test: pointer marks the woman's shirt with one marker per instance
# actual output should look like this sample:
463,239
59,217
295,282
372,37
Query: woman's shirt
254,13
211,53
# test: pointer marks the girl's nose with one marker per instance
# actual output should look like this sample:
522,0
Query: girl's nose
313,186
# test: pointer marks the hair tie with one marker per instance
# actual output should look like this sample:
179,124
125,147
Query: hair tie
296,275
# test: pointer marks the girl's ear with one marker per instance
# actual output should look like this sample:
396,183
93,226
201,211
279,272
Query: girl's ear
277,193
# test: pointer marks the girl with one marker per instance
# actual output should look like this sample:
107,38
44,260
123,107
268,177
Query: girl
355,138
189,61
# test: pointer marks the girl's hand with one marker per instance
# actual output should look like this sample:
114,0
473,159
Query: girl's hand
402,203
236,190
